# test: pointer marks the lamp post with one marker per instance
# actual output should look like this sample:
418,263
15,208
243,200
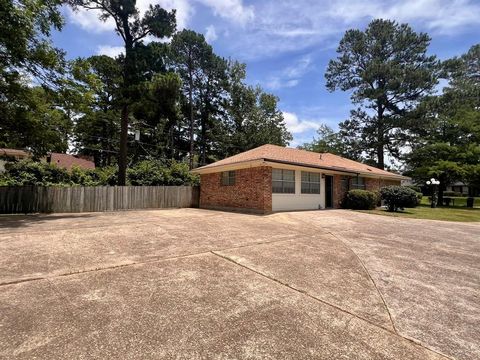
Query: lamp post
433,183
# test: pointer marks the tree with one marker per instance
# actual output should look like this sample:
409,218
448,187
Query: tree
28,118
190,53
332,142
446,143
212,92
37,123
133,30
157,114
389,71
252,117
97,126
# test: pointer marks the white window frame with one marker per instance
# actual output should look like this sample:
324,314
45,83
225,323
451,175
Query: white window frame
309,182
283,182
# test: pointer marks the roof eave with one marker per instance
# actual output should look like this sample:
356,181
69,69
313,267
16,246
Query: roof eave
271,162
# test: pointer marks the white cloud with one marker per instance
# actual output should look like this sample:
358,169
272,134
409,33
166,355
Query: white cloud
274,27
111,51
88,19
211,34
291,75
292,26
296,125
232,10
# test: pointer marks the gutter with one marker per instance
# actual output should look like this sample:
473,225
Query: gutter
356,173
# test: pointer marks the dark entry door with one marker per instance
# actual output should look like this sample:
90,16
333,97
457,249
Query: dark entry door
328,191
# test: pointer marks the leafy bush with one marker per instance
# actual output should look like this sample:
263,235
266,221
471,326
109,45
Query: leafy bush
415,188
28,172
148,172
151,172
398,197
452,193
360,200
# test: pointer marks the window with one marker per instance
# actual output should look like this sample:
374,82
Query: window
283,181
310,183
358,183
228,178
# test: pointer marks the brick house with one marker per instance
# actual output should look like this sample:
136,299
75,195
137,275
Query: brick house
274,178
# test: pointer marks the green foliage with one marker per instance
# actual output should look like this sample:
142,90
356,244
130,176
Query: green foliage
446,142
28,172
151,172
332,142
389,71
399,197
252,116
148,172
28,117
96,129
415,188
133,29
360,200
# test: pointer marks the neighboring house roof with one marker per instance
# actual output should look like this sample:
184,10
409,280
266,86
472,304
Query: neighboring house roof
284,155
457,183
68,161
14,153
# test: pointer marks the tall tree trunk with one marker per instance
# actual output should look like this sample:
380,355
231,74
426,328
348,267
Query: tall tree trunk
190,98
122,159
128,70
380,136
204,135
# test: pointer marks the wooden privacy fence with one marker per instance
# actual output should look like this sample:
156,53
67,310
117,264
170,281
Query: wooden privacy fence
50,199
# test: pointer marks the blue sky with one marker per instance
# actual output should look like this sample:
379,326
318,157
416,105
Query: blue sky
287,44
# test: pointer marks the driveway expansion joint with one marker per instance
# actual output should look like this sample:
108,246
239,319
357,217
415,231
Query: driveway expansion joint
339,238
305,293
132,263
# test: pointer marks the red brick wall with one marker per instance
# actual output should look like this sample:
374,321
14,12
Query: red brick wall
370,184
376,184
252,191
338,192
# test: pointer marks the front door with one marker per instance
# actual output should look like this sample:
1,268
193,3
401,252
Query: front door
328,191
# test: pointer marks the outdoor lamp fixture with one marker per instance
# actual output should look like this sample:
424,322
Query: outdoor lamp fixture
433,183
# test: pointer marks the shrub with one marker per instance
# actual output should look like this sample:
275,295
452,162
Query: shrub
28,172
398,197
147,172
415,188
152,172
360,200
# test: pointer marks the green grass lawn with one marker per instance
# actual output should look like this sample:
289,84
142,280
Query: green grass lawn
424,211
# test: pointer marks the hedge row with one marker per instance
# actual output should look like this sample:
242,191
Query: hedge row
148,172
394,197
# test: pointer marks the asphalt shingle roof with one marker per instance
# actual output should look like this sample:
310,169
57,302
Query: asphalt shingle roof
302,158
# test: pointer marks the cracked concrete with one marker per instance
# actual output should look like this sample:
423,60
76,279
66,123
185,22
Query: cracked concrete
199,284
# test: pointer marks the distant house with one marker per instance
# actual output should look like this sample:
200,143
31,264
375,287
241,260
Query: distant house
67,161
11,154
462,188
274,178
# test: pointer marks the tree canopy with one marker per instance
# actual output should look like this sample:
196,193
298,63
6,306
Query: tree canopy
389,72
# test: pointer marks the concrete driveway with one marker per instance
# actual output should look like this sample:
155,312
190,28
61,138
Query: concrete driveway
198,284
